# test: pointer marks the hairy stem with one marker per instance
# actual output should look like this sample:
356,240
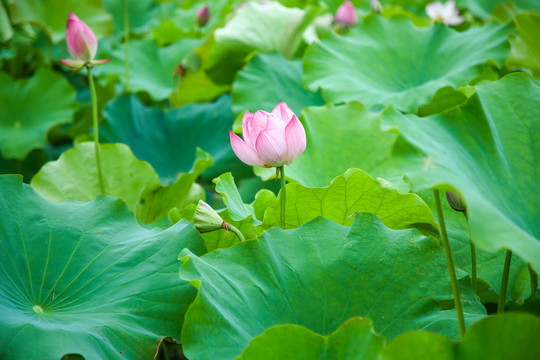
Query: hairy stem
96,127
450,263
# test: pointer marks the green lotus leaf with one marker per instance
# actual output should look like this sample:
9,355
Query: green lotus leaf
74,176
238,211
526,47
29,108
393,62
51,15
487,151
168,140
353,340
151,68
258,27
85,278
339,138
318,276
506,336
349,194
268,80
484,8
140,14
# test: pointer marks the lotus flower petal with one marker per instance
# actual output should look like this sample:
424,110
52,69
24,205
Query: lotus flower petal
244,151
295,136
80,39
272,147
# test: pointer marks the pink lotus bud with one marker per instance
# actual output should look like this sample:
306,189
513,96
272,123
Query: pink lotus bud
202,16
270,139
445,13
81,44
346,14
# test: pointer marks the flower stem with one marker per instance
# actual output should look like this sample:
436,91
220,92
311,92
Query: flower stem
473,258
235,230
504,283
450,264
534,281
126,42
283,200
96,127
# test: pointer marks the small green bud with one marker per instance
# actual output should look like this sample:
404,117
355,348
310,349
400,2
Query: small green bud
207,219
455,201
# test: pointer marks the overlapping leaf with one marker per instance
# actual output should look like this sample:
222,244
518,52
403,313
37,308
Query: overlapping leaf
85,278
74,176
269,79
318,276
393,62
487,150
526,47
29,108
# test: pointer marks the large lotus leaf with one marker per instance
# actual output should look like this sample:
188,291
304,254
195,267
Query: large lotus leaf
394,62
526,47
318,276
484,8
264,27
501,337
268,80
85,278
353,340
140,13
488,151
339,138
238,211
151,68
168,140
74,176
52,15
349,194
29,108
489,265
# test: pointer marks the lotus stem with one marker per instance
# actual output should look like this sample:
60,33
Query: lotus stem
534,281
126,42
504,282
235,230
473,258
96,127
450,264
283,199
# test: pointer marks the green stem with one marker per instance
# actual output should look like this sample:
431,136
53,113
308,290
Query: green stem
96,127
504,283
283,199
165,350
473,258
534,281
235,230
450,264
126,42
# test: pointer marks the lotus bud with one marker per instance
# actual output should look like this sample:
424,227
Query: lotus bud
203,16
445,13
455,201
346,15
270,139
375,6
81,44
207,219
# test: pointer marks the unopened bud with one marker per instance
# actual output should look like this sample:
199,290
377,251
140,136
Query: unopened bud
455,201
346,14
375,6
207,219
203,16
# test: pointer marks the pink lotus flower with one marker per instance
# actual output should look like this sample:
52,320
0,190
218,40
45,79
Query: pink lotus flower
346,14
445,13
81,44
202,16
270,139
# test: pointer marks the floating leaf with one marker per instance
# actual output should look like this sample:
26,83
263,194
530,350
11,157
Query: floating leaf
269,79
318,276
29,108
487,151
339,138
393,62
74,176
85,278
354,340
168,140
349,194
